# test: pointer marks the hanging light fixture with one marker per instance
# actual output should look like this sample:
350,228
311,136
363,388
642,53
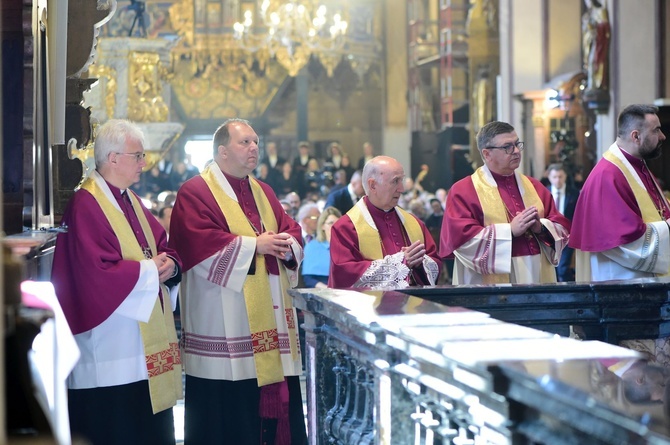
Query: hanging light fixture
292,32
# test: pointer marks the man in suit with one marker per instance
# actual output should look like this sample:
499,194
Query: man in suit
565,196
344,199
368,153
271,158
303,157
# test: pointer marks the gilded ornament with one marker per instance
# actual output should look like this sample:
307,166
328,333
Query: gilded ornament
145,103
108,74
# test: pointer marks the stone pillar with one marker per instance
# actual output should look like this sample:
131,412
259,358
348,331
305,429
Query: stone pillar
395,134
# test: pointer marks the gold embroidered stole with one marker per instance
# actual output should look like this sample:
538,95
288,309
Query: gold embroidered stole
257,292
159,337
495,212
647,208
369,240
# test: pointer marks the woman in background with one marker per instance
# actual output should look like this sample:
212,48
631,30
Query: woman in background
316,263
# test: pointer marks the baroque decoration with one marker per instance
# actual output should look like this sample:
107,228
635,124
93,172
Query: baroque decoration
214,75
292,32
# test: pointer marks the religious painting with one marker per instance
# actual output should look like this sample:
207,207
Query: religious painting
141,19
214,18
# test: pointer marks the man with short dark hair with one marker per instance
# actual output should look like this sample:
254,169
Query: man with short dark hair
620,227
302,159
499,225
344,198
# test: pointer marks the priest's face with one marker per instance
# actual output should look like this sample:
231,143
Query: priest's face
385,189
651,138
128,164
496,157
240,156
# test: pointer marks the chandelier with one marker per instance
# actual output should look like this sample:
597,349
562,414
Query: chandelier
292,32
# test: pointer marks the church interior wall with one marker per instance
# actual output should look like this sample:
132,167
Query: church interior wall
527,56
564,35
634,54
395,138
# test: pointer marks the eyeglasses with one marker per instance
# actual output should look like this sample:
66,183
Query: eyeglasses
509,148
138,156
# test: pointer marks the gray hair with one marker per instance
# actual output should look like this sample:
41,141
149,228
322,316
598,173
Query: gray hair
113,136
370,170
305,209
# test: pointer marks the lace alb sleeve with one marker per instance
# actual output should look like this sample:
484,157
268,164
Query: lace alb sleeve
388,273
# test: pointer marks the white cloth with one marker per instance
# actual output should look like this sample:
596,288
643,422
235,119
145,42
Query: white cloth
639,259
106,361
53,356
218,338
492,249
522,269
559,198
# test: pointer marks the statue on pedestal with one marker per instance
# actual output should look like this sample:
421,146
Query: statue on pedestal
482,99
596,33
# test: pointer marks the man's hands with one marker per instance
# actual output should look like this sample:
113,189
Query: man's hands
414,254
275,244
527,219
165,265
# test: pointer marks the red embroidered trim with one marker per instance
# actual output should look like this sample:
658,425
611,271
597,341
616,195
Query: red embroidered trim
290,318
265,341
163,361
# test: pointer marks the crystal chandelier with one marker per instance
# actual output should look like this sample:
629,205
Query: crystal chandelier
292,32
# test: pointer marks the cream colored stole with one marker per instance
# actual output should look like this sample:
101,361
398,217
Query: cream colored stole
495,212
257,293
369,240
647,208
159,336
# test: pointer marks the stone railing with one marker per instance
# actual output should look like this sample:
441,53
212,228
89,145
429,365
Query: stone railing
392,368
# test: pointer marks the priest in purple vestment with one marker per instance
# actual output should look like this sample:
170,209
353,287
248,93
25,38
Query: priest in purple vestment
241,254
377,244
116,279
501,226
634,240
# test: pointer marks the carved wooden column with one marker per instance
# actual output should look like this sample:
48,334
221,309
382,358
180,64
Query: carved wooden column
84,19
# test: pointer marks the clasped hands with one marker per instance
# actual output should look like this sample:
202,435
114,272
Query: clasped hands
414,254
527,219
275,244
165,265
